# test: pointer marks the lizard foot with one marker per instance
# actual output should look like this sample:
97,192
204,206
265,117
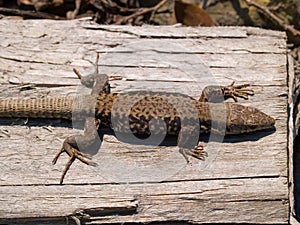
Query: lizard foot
237,91
74,154
98,82
198,152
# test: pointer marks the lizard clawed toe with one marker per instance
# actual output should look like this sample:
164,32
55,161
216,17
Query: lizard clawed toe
237,91
198,152
73,154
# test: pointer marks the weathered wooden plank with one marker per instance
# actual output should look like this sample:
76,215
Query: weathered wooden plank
36,155
64,76
168,31
244,179
193,201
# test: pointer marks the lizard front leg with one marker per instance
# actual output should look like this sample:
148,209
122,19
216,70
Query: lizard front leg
221,93
188,143
198,152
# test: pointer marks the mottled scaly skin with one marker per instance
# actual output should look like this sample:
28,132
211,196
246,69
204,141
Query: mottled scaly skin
144,106
144,113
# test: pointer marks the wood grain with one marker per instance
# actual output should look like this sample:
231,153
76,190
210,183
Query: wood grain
244,179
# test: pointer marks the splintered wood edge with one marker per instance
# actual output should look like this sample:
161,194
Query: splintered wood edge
291,137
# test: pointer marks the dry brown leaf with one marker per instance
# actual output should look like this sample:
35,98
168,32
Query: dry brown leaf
192,15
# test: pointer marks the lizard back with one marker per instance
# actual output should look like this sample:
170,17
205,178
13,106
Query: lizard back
157,112
140,110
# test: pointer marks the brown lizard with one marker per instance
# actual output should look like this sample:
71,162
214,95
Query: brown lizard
103,109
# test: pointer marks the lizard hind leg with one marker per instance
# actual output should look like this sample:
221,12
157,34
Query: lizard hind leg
69,147
88,141
98,82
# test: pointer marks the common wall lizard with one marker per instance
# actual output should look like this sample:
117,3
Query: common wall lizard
100,107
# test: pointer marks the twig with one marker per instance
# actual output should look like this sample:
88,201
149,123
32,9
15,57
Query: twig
30,14
72,14
112,7
140,12
271,15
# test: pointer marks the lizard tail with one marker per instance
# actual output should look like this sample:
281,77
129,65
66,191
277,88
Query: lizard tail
37,108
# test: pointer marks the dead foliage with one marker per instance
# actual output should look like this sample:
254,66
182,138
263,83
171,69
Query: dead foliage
135,12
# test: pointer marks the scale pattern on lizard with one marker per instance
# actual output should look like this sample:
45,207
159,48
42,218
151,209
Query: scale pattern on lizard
160,108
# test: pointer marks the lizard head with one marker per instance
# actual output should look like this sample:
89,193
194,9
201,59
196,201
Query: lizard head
245,119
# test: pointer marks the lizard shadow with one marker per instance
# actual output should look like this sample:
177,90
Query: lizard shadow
254,136
169,140
40,122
